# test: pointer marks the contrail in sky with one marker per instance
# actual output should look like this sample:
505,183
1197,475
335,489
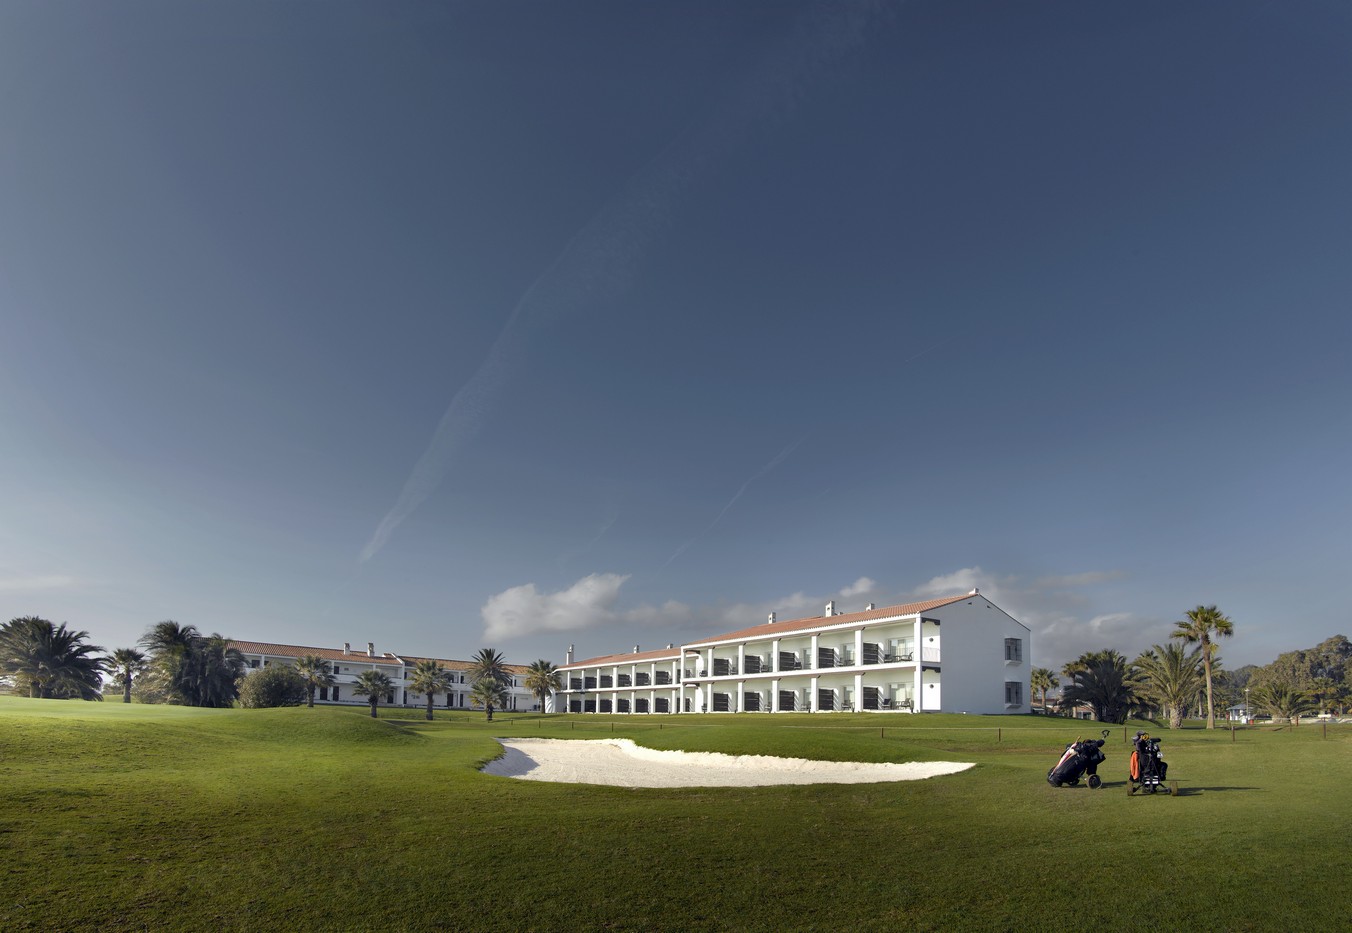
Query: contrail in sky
604,254
779,458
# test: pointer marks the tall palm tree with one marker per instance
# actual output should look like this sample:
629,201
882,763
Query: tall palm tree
126,664
315,671
50,661
488,665
488,693
168,637
1043,679
1202,626
373,685
542,679
1170,677
430,678
1103,682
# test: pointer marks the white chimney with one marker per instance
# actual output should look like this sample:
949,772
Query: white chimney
568,658
831,608
771,620
370,649
975,592
347,647
869,608
670,646
636,649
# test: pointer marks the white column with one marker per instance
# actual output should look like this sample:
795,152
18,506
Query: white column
812,665
774,695
859,648
812,691
741,696
741,660
917,654
709,661
858,691
709,697
774,655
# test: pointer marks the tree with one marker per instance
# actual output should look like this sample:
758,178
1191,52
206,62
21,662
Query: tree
542,679
49,661
429,678
125,665
1169,678
488,664
193,669
373,685
1281,699
488,693
316,673
1102,681
274,685
1202,626
1043,679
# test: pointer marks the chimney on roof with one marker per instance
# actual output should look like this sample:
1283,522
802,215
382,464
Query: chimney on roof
568,658
771,620
370,649
670,645
975,592
347,647
636,649
831,608
869,608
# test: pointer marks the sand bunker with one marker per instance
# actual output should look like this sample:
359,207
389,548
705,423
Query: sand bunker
621,763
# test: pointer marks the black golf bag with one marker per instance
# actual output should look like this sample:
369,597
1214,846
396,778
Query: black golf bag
1081,759
1147,768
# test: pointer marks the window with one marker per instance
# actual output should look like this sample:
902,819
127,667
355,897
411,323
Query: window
1013,649
335,694
254,663
1013,693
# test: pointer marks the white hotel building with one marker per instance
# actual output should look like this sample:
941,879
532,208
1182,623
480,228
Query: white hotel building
956,654
347,664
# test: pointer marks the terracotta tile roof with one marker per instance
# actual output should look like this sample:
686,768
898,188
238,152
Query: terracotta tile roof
665,654
848,618
356,657
328,654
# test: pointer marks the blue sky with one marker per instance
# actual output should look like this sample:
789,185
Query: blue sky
529,324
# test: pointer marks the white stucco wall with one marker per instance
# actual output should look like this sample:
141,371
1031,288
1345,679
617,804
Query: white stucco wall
973,637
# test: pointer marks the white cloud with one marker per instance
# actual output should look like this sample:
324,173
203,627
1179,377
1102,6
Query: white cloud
861,587
523,610
25,584
960,581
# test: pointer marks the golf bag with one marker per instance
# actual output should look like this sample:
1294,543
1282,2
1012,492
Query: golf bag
1147,768
1081,759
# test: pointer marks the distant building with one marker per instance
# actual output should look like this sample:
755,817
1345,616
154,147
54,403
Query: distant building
347,664
877,660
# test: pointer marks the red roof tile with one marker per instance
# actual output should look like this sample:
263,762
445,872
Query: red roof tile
848,618
665,654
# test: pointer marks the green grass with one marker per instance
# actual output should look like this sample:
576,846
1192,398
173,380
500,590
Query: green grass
129,817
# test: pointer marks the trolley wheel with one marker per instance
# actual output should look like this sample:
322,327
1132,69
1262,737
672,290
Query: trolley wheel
1095,782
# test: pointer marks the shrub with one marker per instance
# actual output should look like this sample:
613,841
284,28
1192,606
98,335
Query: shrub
277,685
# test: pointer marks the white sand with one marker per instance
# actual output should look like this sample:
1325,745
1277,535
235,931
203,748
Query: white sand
621,763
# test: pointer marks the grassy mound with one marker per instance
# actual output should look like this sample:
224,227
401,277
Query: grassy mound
118,817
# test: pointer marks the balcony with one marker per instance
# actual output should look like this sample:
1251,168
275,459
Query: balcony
663,677
642,680
624,680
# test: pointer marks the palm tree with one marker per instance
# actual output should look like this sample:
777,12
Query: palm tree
1102,681
430,678
126,664
168,637
1043,679
315,671
488,665
373,685
488,693
1281,698
50,661
1170,678
542,679
210,672
1202,625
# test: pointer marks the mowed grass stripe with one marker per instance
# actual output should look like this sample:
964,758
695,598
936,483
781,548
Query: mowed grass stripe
128,817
